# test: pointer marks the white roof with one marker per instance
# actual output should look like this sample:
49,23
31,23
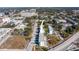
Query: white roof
61,20
67,24
7,19
50,29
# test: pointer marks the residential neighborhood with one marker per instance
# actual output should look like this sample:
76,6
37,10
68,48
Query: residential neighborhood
39,28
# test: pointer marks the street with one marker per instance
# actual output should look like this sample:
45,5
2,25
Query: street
65,44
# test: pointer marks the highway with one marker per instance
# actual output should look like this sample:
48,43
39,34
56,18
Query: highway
66,44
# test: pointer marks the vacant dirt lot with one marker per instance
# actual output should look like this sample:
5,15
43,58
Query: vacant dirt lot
15,42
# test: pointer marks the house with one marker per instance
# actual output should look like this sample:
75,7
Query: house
4,20
60,20
72,22
21,26
65,25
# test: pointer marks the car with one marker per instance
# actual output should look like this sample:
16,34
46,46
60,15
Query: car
37,31
36,42
37,37
38,28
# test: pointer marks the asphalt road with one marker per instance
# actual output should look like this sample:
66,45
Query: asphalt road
65,44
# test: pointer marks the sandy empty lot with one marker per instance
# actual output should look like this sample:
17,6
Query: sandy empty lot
15,42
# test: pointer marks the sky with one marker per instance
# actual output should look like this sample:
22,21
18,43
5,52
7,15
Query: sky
41,3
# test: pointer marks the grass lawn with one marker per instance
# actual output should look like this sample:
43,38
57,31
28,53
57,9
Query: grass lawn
52,40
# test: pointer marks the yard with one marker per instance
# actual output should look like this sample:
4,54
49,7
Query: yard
52,40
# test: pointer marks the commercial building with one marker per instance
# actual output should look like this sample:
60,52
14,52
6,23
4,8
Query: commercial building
28,13
51,30
4,20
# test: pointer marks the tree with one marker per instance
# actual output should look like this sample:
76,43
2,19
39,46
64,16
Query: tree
34,17
69,30
52,39
44,48
64,34
59,27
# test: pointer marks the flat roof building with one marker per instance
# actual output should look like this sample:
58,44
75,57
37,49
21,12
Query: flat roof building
60,20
